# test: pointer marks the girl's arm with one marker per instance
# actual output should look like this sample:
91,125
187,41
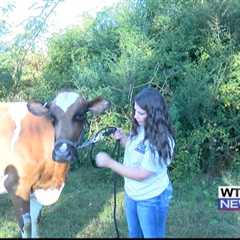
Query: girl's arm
136,173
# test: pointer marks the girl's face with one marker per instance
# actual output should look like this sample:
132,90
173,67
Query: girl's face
140,115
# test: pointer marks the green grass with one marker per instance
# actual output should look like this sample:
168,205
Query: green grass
85,209
194,212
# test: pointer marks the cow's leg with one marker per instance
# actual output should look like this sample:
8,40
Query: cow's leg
22,206
35,208
26,229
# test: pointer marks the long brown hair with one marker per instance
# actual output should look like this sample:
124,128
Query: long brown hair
157,126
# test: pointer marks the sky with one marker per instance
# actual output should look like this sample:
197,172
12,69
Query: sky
68,13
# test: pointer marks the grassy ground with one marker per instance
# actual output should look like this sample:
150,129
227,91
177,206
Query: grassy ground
194,212
85,209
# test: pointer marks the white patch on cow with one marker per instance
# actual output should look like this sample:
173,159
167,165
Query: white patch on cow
17,111
66,99
48,196
2,187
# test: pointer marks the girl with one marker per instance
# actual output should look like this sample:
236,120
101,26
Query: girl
148,152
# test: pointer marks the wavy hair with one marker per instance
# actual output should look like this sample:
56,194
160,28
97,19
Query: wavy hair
157,126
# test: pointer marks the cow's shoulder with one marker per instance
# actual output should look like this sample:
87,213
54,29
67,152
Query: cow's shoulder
26,141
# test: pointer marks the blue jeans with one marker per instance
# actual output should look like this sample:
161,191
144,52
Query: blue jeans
147,218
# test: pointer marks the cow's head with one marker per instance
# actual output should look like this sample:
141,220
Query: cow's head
68,115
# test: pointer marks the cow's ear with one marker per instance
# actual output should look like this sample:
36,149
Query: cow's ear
37,108
98,105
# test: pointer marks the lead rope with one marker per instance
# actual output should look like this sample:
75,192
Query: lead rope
114,175
116,155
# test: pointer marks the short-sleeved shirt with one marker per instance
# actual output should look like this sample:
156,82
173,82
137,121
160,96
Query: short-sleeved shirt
138,154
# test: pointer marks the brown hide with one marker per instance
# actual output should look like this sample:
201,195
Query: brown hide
32,154
35,156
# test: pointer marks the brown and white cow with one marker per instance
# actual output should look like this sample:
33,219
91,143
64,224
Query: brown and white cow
37,143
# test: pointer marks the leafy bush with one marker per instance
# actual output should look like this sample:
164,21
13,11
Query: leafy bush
189,50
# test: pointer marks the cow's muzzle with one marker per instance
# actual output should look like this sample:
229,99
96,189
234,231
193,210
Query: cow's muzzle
64,151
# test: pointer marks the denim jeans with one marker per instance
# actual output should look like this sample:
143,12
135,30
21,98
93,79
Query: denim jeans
147,218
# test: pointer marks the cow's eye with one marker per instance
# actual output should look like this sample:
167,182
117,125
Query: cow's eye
53,119
78,117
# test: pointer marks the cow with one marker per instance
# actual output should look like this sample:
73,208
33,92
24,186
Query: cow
37,144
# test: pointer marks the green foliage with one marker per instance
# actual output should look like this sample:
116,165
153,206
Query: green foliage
6,69
5,8
189,50
229,90
193,99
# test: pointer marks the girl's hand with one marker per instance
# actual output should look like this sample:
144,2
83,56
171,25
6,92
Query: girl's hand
118,134
103,159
